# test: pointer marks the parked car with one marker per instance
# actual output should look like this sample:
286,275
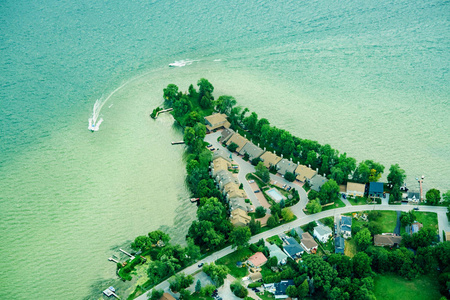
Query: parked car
251,181
212,149
200,265
210,145
257,191
344,196
416,208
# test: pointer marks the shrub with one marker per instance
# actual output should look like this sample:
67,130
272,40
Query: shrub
260,212
237,288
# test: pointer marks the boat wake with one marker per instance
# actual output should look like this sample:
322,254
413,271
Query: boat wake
181,63
94,121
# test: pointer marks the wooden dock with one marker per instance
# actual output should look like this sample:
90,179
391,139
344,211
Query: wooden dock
163,111
178,143
126,253
114,260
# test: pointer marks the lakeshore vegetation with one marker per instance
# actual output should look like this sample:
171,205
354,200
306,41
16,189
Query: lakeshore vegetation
336,276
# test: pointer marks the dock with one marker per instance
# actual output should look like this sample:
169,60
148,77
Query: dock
163,111
110,292
114,260
178,143
126,253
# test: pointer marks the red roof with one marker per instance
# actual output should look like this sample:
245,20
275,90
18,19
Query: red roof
257,259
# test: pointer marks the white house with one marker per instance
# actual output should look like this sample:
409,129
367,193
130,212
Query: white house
322,233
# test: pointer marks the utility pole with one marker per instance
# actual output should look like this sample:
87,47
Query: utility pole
420,186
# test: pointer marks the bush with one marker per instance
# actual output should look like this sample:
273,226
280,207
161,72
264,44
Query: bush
232,147
237,288
260,212
289,176
255,284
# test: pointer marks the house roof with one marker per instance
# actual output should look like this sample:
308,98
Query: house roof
281,287
413,195
239,217
386,239
447,236
255,276
304,173
224,177
216,121
345,220
276,251
238,140
292,247
416,226
220,164
270,159
252,150
167,296
322,230
339,245
233,190
286,165
239,202
308,241
225,135
342,188
223,154
356,187
317,181
376,187
257,259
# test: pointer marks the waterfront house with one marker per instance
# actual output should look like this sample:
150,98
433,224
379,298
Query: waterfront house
292,248
220,164
275,251
308,243
413,197
232,190
252,150
238,140
339,245
386,239
225,135
376,189
239,218
322,233
304,173
279,289
355,189
269,159
257,260
221,153
239,202
346,226
317,181
224,177
286,165
216,121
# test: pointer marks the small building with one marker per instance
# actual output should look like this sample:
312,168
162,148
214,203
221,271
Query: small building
239,202
304,173
167,296
216,121
413,197
285,165
356,189
376,189
220,164
317,181
224,177
257,260
308,243
279,289
346,226
339,245
292,248
255,277
226,134
238,140
252,150
221,153
275,251
415,227
322,233
386,239
447,236
297,230
239,218
269,159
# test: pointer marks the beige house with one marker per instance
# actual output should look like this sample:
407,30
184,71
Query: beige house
220,164
355,189
304,173
216,121
239,218
225,135
388,239
269,159
238,140
232,190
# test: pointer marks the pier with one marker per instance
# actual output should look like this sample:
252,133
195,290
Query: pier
163,111
110,292
178,143
114,260
126,253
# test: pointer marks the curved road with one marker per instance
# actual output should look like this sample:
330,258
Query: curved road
302,218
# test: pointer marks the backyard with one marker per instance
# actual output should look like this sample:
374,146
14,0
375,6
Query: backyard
387,220
231,259
390,286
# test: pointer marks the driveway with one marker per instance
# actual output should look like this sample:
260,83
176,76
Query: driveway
225,292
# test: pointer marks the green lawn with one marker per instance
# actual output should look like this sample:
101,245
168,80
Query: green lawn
328,221
338,203
428,219
266,296
275,240
350,247
357,200
231,259
394,287
387,220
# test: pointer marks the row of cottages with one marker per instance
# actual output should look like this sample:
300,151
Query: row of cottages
216,121
229,185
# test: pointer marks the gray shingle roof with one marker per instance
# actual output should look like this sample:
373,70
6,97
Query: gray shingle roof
252,150
286,165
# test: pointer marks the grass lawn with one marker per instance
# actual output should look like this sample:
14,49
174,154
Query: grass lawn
266,296
428,219
357,200
275,240
196,296
387,220
350,248
231,259
394,287
338,203
328,221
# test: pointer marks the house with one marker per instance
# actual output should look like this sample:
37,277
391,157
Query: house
219,164
355,189
285,165
225,135
224,177
415,227
255,277
308,243
223,154
252,150
238,140
413,197
269,159
275,251
376,189
232,190
257,260
216,121
239,202
447,236
279,289
339,245
239,218
386,239
304,173
317,181
167,296
297,231
322,233
346,226
292,248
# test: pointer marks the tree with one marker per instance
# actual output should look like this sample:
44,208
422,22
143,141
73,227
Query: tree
361,265
287,214
233,147
368,170
303,289
342,264
158,235
363,239
205,87
141,242
217,272
407,218
193,118
262,172
272,262
446,197
433,197
170,94
225,104
239,237
254,226
206,101
396,194
155,294
198,286
375,228
329,192
271,222
310,226
320,271
289,176
396,175
260,212
180,281
251,121
313,195
237,289
314,206
291,291
207,290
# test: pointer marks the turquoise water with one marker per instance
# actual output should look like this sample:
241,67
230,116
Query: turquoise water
370,79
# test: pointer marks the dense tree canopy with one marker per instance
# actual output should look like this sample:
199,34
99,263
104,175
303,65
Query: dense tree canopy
433,196
396,175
